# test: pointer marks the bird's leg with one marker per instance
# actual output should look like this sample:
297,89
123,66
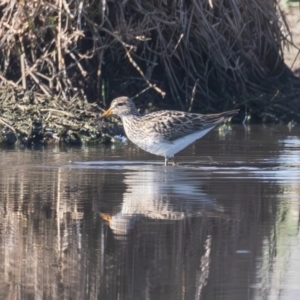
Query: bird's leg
173,162
166,161
171,159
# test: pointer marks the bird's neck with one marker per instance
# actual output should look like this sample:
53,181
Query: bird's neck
130,117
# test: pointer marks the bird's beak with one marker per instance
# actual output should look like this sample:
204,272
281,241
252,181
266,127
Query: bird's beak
106,217
107,113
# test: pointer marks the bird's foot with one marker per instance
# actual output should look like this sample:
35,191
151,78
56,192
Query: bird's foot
167,159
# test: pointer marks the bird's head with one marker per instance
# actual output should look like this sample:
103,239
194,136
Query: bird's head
122,107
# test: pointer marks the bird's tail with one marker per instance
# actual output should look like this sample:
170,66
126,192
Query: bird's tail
229,114
216,119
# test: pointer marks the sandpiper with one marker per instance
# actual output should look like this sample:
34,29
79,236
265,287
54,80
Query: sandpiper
164,132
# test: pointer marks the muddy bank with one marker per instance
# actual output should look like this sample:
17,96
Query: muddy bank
31,120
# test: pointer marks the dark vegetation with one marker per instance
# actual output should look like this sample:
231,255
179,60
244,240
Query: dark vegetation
62,60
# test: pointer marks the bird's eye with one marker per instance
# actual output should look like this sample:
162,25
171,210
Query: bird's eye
120,104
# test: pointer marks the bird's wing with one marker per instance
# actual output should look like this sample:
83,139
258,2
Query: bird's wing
172,125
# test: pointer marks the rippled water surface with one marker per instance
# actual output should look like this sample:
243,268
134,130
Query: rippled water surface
113,223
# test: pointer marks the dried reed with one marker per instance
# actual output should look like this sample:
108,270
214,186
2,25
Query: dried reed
202,54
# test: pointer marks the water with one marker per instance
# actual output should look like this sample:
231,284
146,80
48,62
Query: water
113,223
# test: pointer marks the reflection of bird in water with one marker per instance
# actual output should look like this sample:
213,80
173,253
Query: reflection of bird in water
164,132
161,194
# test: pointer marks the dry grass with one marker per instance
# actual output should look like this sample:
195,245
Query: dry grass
204,55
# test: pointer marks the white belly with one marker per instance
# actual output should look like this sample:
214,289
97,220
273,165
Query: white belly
169,149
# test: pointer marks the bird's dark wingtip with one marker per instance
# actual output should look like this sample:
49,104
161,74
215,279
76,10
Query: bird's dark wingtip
230,113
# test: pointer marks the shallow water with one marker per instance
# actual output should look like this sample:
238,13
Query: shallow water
113,223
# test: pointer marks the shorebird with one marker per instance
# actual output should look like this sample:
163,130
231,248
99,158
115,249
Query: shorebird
164,132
